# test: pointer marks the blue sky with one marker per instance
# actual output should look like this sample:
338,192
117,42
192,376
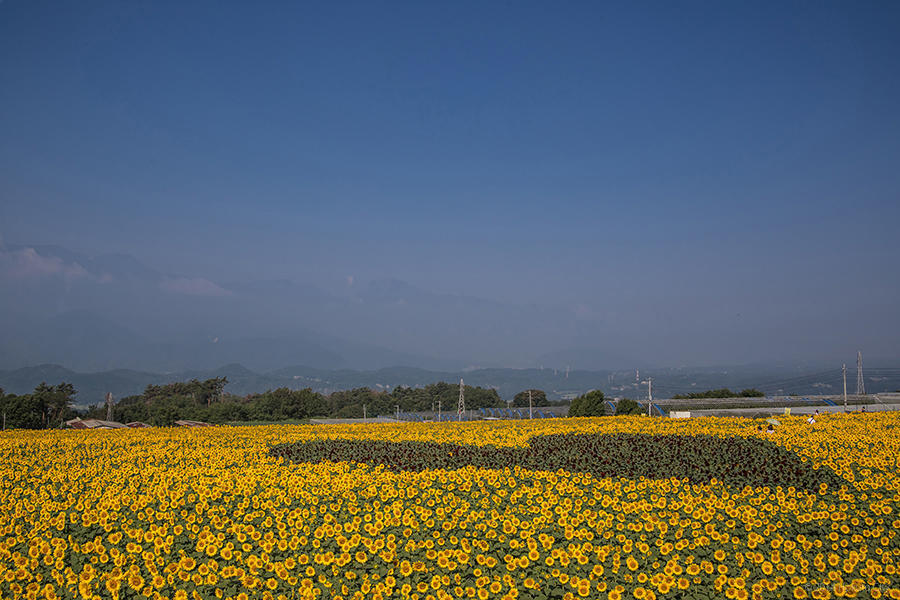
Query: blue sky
651,162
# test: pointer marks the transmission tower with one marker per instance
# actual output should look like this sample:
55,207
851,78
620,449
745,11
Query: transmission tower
649,383
461,407
860,382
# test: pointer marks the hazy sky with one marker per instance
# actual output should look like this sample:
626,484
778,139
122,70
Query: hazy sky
660,165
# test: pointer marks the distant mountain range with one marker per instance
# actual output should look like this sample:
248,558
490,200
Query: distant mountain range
558,383
114,312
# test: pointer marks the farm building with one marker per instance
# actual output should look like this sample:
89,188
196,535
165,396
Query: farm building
94,424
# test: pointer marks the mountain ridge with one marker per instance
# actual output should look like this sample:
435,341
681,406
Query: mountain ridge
558,384
113,311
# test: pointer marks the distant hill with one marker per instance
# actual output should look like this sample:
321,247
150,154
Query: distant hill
558,384
91,387
95,313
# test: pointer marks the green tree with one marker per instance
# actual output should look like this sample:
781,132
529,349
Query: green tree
4,400
56,402
285,403
423,399
306,403
627,406
24,412
538,398
227,411
164,404
349,403
590,404
479,397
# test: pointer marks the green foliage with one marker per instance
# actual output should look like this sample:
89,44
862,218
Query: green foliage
721,393
23,412
426,398
205,401
46,406
285,403
627,406
735,461
538,398
348,404
591,404
57,401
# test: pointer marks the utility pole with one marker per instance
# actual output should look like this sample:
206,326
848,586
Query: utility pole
364,413
461,406
397,408
860,382
439,411
109,406
844,371
529,404
649,383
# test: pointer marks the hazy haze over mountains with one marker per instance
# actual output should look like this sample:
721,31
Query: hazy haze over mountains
112,311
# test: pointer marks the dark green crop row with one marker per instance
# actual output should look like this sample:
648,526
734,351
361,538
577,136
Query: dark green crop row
733,461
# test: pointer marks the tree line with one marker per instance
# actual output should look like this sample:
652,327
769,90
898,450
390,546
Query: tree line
162,405
205,401
594,404
46,407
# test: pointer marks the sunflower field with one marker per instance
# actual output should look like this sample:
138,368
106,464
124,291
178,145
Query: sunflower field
608,508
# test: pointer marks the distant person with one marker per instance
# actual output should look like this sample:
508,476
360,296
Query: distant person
811,419
770,429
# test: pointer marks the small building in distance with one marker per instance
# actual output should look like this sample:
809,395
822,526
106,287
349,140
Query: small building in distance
137,424
187,423
79,423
